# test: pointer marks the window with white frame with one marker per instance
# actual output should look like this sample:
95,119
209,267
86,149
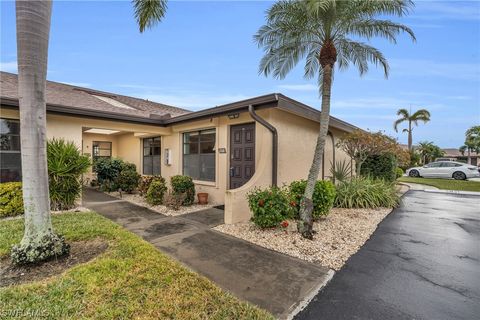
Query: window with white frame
199,154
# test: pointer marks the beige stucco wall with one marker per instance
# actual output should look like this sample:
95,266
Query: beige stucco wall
297,137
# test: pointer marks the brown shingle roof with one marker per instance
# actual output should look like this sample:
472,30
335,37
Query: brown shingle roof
74,97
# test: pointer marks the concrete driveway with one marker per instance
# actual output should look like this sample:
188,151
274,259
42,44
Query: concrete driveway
423,262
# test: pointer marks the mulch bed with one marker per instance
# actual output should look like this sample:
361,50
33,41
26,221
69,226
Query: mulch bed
80,252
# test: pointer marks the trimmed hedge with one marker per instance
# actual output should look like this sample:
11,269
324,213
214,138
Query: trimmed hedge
380,167
11,200
128,178
323,197
183,185
270,206
156,191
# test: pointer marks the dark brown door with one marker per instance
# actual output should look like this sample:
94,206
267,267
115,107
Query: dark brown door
242,154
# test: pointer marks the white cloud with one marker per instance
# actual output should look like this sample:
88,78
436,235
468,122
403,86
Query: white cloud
299,87
424,67
10,66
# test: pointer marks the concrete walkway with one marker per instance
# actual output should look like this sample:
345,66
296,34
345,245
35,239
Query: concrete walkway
423,262
273,281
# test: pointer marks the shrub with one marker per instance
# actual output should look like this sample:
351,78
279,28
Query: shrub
183,184
107,171
269,206
323,196
380,167
363,192
128,178
399,172
11,201
66,164
145,183
174,201
156,191
341,171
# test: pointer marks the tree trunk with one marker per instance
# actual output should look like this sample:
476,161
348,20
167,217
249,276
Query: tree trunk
33,28
305,225
410,144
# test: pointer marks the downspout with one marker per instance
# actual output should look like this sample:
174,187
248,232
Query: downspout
272,129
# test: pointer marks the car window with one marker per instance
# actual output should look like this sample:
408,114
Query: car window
448,164
458,165
434,164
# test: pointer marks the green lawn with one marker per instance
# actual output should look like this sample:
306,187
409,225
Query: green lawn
445,184
131,279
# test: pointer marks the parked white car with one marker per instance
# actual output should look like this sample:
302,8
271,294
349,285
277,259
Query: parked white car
445,169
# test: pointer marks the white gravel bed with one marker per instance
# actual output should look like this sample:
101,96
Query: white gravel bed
338,236
137,199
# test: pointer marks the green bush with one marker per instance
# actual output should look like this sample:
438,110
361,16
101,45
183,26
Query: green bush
156,192
107,170
323,196
270,206
11,201
364,192
145,182
399,172
183,184
382,166
66,164
128,178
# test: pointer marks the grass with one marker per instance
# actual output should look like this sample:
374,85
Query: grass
131,279
445,184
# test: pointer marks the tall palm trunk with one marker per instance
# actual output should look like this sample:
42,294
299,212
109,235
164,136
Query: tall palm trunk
469,157
33,28
305,225
410,142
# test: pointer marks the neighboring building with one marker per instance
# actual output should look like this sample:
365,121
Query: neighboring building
456,155
227,150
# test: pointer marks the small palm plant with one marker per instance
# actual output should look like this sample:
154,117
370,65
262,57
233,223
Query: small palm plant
405,116
325,33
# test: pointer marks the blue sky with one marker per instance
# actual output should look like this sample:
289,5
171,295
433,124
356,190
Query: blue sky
203,55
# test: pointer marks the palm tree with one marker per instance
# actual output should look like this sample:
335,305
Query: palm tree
323,32
33,28
429,151
472,142
419,115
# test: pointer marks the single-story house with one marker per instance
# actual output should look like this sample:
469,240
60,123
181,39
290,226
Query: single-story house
456,155
228,150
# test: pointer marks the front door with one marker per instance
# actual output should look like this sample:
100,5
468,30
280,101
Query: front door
242,154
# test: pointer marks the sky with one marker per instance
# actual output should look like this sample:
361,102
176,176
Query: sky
203,55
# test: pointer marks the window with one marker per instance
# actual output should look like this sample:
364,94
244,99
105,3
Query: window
10,156
434,164
101,149
199,155
151,156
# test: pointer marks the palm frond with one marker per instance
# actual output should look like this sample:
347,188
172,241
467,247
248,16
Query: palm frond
361,54
149,12
421,115
370,28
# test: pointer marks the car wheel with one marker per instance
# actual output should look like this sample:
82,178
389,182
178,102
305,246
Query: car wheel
414,173
458,175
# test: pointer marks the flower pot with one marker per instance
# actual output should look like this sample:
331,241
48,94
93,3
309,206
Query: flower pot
202,198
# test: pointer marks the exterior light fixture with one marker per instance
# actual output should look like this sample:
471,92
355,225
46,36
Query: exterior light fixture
233,116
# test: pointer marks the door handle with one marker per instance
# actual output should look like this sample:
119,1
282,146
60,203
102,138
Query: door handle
232,171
